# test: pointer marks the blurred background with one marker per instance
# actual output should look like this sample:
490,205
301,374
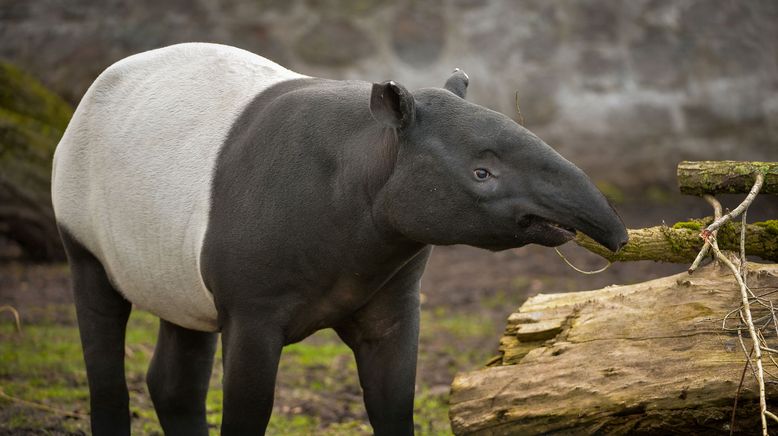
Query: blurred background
623,89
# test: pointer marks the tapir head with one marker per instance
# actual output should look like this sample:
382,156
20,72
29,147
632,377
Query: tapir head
464,174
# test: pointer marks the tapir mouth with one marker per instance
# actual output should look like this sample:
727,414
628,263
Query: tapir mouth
546,232
567,232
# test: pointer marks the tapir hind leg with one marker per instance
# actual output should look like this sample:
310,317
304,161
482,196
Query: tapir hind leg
178,378
102,318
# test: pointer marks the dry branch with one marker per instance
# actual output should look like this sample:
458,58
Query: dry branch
725,177
681,242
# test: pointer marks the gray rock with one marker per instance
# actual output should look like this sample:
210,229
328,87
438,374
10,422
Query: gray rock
419,33
336,42
658,58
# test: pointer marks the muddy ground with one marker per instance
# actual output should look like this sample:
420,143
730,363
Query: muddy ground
467,295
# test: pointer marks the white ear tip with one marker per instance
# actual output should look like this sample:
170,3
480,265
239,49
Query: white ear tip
457,70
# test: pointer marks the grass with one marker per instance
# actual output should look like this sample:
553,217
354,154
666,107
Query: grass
317,389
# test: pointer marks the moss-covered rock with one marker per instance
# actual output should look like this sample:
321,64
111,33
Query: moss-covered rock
32,120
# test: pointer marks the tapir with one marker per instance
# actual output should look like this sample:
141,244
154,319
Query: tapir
228,195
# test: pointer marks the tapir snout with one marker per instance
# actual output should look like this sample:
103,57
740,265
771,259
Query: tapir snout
564,195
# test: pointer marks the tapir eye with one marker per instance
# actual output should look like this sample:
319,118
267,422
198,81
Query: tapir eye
481,174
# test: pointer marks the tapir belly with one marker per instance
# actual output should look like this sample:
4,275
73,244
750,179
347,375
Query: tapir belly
133,172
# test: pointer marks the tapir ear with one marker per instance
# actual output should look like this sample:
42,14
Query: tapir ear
457,83
392,105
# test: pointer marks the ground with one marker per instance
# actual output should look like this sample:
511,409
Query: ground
467,295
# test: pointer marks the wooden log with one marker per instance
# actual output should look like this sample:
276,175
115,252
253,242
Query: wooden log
681,242
649,358
725,177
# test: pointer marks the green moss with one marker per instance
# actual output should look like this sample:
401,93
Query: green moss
691,225
729,231
770,225
32,120
696,224
24,95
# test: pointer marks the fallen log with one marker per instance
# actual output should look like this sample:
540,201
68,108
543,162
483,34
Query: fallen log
681,242
649,358
725,177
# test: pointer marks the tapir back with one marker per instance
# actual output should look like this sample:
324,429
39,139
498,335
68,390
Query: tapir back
132,174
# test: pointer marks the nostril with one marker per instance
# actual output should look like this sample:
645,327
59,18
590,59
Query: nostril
622,244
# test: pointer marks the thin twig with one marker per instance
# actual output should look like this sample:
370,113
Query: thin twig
775,323
769,373
701,255
518,109
754,338
737,394
578,269
752,331
706,247
743,347
15,313
738,210
743,272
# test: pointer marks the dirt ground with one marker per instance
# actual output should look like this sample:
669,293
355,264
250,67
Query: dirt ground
467,295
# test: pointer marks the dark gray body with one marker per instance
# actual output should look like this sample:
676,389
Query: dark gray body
326,199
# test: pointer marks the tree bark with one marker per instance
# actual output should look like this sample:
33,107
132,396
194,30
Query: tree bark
649,358
681,242
32,120
725,177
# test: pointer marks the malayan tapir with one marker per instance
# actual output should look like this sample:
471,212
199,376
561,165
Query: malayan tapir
227,194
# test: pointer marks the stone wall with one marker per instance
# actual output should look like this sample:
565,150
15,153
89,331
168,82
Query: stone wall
623,88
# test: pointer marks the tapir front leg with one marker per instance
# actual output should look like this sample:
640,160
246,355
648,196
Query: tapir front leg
251,351
384,336
386,362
